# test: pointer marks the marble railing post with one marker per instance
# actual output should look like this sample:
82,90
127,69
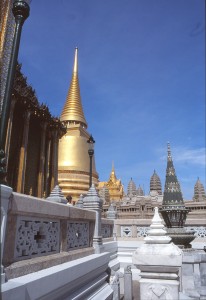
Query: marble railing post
5,192
115,285
93,202
23,153
128,283
42,161
134,231
9,128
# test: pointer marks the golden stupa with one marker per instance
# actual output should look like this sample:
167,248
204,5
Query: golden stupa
114,185
74,161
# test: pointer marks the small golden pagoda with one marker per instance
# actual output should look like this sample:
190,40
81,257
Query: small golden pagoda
74,161
114,185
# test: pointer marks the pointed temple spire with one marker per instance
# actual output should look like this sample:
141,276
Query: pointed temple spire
155,183
173,209
112,166
112,174
73,110
172,191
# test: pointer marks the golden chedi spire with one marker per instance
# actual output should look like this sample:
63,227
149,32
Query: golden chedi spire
113,177
73,110
114,185
73,158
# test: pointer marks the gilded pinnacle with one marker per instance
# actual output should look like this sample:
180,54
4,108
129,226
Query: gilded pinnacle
73,110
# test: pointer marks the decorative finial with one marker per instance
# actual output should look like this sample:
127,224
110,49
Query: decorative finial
76,61
169,157
157,233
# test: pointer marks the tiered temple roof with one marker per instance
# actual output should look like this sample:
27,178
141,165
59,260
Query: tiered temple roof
155,183
140,191
199,192
131,188
114,186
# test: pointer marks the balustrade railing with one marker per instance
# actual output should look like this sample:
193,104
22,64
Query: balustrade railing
37,227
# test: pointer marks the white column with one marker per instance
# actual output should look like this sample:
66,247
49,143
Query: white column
5,192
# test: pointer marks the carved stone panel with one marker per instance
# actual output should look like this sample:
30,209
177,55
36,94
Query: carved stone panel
126,231
77,235
159,290
107,230
142,231
199,231
36,237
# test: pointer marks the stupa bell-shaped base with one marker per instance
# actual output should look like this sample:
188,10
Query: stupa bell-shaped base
181,237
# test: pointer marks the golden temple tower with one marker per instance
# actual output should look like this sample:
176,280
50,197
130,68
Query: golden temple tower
114,185
74,161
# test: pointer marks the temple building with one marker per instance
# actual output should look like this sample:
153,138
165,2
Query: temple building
74,161
138,205
114,185
32,142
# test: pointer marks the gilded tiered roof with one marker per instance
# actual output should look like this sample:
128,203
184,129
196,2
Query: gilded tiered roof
114,186
73,111
155,183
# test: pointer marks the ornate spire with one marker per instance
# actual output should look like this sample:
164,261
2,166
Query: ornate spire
172,191
140,191
112,177
155,183
199,191
173,209
131,188
73,111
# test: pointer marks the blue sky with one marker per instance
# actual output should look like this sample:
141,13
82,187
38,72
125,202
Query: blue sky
142,80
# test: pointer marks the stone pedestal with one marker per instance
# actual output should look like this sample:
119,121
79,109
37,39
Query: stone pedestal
159,262
93,202
128,283
181,237
5,194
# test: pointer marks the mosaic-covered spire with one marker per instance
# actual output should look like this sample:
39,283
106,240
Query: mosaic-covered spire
73,110
172,191
173,209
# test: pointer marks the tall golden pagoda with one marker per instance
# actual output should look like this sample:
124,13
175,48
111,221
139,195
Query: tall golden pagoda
114,185
74,161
